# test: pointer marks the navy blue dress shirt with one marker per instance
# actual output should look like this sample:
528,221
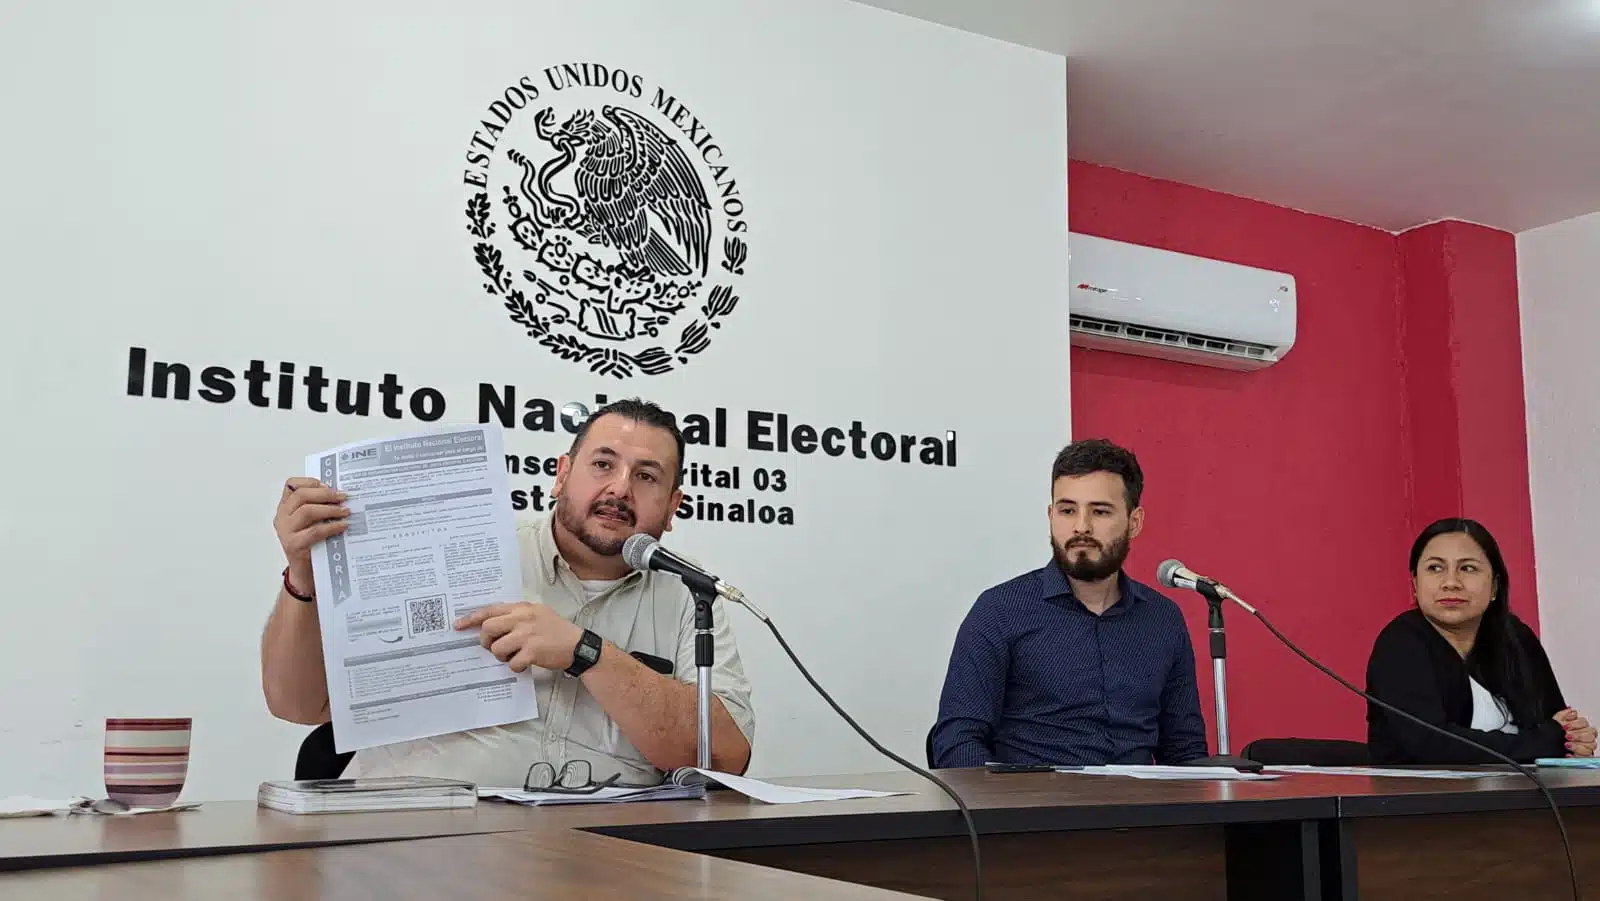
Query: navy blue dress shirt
1035,677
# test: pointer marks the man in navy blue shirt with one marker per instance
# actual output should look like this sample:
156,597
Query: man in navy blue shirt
1075,663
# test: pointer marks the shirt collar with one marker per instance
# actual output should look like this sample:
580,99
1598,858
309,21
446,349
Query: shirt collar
1056,586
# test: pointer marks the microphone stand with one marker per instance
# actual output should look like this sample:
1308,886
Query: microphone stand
704,591
1219,680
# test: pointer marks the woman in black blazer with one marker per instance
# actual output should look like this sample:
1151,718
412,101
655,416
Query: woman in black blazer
1462,661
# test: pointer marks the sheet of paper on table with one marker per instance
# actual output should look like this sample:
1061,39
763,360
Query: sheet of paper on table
778,794
1381,771
1172,773
611,794
29,806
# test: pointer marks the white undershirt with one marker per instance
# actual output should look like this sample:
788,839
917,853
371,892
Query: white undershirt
592,588
1488,712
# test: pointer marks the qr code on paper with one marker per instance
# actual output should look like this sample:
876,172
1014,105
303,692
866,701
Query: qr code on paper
427,615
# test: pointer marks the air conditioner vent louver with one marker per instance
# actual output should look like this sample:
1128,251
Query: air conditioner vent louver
1169,338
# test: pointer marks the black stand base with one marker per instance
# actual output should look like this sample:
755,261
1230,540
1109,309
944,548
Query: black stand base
1242,764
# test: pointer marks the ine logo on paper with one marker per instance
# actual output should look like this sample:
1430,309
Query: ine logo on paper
605,219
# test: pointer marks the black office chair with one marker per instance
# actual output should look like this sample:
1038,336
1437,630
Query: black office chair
927,748
318,759
1308,752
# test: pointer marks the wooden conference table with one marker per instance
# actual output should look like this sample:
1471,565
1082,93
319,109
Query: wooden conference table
1043,836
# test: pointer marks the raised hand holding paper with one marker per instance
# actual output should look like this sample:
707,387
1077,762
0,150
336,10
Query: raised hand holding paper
430,538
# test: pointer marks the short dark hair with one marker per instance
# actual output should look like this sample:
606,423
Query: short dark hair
643,412
1080,458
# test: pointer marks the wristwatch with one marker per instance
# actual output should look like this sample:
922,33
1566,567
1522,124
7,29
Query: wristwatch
586,654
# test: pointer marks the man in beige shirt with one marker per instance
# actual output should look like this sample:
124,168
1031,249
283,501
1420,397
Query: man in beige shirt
631,714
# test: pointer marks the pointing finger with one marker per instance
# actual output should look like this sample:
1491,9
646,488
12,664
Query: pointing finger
483,614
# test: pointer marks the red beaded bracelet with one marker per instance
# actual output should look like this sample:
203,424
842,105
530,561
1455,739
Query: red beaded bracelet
295,594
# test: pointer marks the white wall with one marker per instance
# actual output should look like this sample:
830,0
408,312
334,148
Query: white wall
1558,268
284,181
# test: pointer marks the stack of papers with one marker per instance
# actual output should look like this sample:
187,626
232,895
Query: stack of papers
351,795
1174,773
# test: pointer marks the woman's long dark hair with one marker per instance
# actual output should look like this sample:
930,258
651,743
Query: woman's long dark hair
1497,660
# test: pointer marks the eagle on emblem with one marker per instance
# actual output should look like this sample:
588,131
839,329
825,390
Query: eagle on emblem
637,191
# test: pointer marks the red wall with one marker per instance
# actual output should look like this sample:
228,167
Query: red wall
1461,314
1295,484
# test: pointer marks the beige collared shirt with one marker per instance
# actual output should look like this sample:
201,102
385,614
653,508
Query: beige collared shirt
651,613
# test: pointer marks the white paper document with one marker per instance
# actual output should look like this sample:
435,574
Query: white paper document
611,794
1174,773
1380,771
431,538
781,794
29,806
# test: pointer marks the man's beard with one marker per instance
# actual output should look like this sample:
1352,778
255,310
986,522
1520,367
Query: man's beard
1089,569
576,523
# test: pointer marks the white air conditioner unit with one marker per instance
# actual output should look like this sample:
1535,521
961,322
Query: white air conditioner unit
1173,306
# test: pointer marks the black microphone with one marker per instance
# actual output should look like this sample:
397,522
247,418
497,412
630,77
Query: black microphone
1174,574
643,552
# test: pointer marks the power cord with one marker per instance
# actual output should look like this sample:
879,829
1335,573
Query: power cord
1566,844
966,814
642,553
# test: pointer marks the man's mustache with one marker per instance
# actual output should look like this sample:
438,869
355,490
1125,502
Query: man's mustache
619,508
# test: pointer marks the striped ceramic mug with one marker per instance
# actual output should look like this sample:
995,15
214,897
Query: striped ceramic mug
147,760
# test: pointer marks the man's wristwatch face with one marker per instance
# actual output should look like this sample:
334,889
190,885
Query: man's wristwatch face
586,654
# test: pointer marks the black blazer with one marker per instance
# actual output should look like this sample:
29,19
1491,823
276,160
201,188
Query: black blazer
1415,669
